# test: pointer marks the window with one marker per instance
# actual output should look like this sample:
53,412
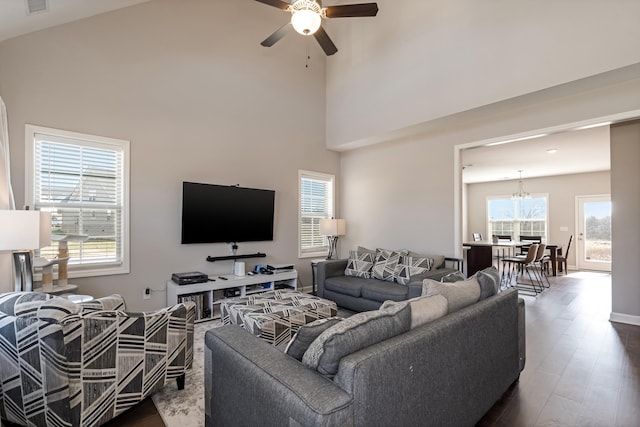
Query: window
316,203
83,181
517,217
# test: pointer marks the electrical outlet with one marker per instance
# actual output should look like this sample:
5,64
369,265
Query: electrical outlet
146,293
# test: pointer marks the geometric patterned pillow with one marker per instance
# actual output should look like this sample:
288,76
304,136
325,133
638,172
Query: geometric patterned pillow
384,267
410,266
359,264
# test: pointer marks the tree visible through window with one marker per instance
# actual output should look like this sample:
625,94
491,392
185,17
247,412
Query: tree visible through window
517,217
82,180
316,203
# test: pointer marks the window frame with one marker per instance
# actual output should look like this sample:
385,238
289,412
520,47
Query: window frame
315,251
86,269
516,221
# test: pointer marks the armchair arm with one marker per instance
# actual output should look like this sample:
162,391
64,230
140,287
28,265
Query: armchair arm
329,268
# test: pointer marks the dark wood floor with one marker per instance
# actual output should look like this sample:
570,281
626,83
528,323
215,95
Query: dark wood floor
581,369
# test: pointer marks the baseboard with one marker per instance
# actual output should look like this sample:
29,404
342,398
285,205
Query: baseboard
625,318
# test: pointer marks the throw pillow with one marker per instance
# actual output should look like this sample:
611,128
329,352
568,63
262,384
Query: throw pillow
384,267
359,264
371,251
489,280
410,266
307,334
355,333
456,276
438,260
423,309
458,294
427,309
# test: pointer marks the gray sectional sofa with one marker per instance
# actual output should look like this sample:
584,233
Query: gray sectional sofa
447,372
365,293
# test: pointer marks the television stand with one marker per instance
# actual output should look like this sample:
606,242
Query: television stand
207,296
227,257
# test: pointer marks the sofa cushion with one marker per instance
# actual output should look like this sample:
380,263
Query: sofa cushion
458,294
359,264
307,334
423,309
438,260
385,264
410,266
347,285
355,333
379,290
489,281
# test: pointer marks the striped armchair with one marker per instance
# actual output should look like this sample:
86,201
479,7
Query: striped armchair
68,364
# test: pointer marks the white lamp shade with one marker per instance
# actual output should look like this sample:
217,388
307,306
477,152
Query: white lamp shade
333,227
306,22
20,230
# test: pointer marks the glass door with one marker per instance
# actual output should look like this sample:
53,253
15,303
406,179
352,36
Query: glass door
593,245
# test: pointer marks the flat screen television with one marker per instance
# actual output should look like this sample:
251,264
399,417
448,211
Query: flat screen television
226,214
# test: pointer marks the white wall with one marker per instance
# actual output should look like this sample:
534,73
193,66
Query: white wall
561,190
625,197
423,165
428,59
428,79
189,85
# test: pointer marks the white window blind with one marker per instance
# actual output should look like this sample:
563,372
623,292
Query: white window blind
81,180
517,217
316,203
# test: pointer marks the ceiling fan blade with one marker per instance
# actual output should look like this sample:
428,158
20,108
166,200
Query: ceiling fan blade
276,3
277,35
325,42
352,10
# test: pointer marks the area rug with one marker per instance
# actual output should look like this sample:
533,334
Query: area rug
185,408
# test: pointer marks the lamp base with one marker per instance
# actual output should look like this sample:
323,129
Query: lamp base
24,271
333,240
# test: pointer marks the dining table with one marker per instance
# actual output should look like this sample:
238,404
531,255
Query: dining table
479,254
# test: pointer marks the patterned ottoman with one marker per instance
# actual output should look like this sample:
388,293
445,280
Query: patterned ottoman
275,316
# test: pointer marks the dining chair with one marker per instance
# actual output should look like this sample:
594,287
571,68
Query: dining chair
561,260
527,240
501,251
540,262
517,266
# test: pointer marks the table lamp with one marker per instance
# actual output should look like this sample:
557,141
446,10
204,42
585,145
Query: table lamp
332,228
21,232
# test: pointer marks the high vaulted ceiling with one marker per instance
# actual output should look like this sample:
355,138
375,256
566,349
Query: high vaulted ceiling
15,20
577,151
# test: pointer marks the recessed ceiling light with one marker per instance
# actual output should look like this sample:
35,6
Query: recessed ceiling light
596,125
524,138
552,150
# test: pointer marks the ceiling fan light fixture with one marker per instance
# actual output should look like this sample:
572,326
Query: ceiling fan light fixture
306,16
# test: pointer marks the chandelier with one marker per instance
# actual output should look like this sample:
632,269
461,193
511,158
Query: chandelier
520,194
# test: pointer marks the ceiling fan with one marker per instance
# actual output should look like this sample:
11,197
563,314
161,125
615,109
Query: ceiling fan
306,17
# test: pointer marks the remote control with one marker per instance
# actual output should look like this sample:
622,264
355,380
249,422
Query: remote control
222,278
